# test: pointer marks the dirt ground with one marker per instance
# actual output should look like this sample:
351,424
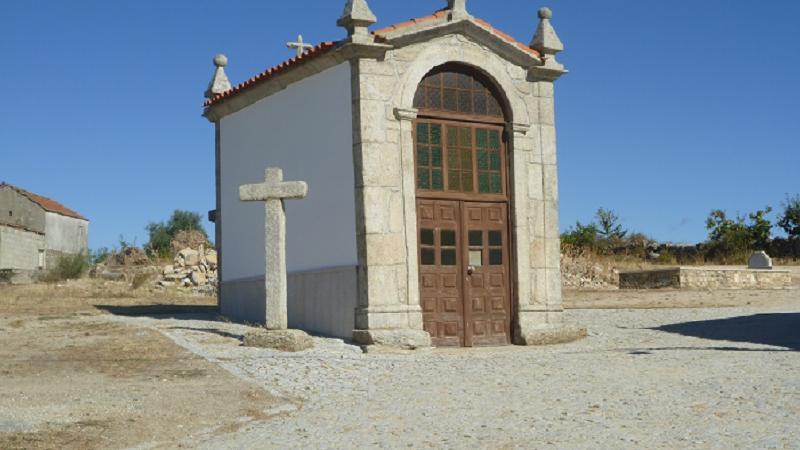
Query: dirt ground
70,378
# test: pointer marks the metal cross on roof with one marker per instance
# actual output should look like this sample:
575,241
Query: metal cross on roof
299,45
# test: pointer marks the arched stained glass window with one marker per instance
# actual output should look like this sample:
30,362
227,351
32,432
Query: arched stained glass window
458,90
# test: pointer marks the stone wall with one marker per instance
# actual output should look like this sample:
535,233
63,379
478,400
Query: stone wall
706,278
703,278
19,211
383,92
66,235
19,249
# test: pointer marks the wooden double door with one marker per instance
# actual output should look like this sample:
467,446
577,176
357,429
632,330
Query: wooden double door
464,261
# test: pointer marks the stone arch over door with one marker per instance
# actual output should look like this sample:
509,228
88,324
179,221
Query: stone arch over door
462,201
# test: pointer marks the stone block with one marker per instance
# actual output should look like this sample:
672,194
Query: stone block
551,334
385,249
550,182
535,179
189,257
399,338
283,340
548,144
383,210
760,260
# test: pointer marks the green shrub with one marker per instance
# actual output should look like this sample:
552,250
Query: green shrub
162,234
68,267
790,219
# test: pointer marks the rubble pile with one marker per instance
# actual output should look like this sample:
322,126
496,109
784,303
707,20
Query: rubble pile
192,268
583,272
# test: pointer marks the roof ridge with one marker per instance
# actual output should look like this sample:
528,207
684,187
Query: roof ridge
325,46
317,50
46,203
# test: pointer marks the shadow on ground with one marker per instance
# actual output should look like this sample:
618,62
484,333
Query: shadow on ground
778,329
156,311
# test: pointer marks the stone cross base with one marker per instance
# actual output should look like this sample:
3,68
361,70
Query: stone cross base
551,334
398,338
283,340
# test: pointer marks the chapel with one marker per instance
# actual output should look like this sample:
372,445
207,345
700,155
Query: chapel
429,151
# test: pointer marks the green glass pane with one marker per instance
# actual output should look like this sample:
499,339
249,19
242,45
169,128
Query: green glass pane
494,160
495,257
465,102
466,160
481,138
452,137
454,180
453,161
476,238
434,98
494,140
428,257
423,179
483,182
448,257
436,134
436,156
466,182
496,185
422,133
465,137
483,160
426,236
437,183
448,238
495,238
423,156
451,100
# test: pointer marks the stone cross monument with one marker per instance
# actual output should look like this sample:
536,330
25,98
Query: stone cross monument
300,46
273,192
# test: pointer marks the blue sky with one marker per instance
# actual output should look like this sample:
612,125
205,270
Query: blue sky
670,109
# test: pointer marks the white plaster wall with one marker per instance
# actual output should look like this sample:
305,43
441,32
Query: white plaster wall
324,302
66,234
19,249
306,130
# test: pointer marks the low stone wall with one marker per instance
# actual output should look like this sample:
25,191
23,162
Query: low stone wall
699,278
706,278
651,279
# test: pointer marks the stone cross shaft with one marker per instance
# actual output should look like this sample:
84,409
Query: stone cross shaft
273,192
299,45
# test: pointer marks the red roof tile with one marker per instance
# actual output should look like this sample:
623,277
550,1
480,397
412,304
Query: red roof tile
326,46
46,203
269,73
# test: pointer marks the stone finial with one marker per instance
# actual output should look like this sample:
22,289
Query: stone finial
458,9
220,82
356,18
547,43
546,40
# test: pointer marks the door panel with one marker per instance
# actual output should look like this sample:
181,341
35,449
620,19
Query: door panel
440,271
488,312
464,272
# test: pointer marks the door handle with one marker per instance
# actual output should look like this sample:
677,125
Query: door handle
470,269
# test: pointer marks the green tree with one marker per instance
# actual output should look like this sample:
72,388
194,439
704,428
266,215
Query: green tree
731,239
609,226
584,236
161,234
760,229
790,219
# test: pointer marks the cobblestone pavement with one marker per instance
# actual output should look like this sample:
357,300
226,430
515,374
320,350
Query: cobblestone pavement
667,378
